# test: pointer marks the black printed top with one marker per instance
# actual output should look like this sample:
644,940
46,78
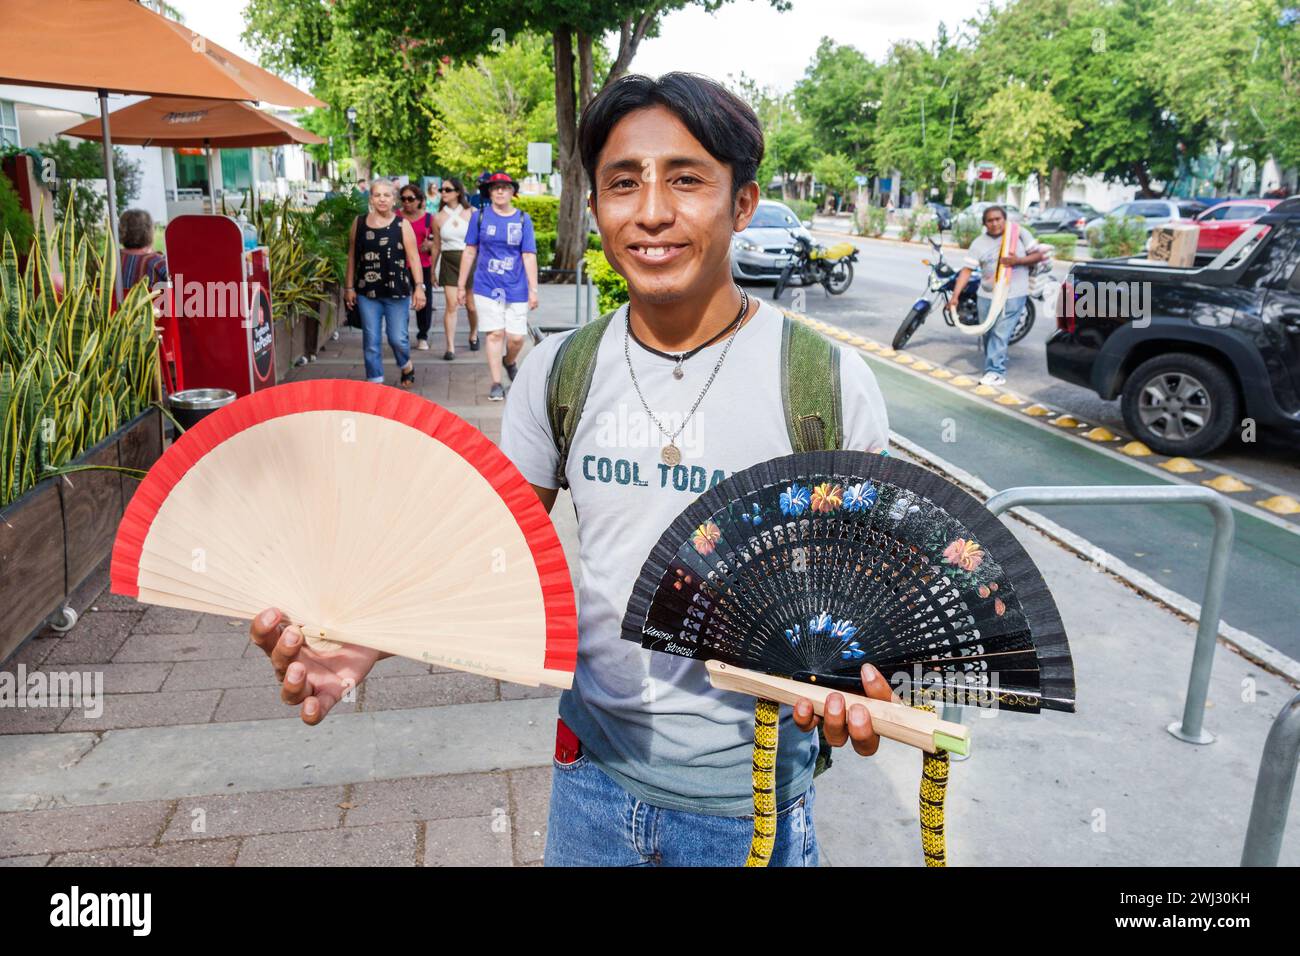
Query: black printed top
381,268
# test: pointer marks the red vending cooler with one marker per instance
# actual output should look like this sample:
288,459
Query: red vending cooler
221,303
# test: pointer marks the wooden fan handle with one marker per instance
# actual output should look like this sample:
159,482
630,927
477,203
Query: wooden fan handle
899,722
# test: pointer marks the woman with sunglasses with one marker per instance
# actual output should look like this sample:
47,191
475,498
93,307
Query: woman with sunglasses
452,221
427,239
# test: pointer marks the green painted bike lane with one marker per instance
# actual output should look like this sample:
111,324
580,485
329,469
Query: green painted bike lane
1168,543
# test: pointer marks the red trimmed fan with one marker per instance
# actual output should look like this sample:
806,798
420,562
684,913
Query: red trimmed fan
368,515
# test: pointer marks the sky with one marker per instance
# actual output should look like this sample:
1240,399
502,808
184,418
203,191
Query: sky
744,35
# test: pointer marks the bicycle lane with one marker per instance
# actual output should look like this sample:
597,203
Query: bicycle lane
1170,544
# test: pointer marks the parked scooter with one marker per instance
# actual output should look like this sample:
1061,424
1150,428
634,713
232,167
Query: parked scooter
831,266
943,278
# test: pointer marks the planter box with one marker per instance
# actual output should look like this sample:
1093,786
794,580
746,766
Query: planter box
56,535
290,344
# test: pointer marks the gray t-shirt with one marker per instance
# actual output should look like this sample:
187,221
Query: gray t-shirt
649,719
983,255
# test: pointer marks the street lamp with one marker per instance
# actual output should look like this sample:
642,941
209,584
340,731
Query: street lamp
351,114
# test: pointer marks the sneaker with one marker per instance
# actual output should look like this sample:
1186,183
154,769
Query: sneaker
512,370
496,393
993,378
422,345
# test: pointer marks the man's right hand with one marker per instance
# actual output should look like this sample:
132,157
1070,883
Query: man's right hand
315,679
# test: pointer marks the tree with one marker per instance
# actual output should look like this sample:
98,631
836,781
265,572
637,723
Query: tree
80,162
1271,100
484,113
1022,130
839,96
836,171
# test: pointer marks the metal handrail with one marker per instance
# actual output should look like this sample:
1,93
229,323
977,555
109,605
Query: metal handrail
1191,729
1273,787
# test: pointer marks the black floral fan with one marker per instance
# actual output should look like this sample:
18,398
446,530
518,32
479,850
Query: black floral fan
806,566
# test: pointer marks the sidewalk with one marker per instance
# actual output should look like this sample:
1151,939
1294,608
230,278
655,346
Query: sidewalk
194,761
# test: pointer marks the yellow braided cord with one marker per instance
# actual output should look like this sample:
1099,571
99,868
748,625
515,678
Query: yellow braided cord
934,785
766,714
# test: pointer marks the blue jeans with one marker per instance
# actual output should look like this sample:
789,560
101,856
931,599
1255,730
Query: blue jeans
595,822
995,341
373,314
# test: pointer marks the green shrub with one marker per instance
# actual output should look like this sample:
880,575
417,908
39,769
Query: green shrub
593,241
802,208
911,223
544,211
1063,242
870,221
927,226
964,230
1117,237
545,248
14,219
611,288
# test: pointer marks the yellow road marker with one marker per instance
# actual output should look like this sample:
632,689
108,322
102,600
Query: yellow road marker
984,390
1101,434
1009,399
921,365
872,346
1065,421
963,381
1180,466
1280,505
941,373
1136,449
887,353
1226,483
904,359
1038,411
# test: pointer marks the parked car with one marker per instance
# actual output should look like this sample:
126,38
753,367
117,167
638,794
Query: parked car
1201,348
1154,213
1223,223
765,246
1071,218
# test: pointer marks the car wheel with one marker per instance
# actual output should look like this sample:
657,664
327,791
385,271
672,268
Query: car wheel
1180,404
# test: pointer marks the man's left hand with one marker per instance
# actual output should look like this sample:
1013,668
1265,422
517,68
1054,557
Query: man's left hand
856,724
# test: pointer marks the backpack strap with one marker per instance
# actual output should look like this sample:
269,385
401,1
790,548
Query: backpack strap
810,389
568,384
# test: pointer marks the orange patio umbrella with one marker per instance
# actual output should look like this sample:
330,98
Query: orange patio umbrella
213,124
119,46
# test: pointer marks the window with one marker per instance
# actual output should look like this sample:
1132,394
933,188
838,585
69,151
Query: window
1215,214
773,217
1245,212
1149,210
1189,210
8,124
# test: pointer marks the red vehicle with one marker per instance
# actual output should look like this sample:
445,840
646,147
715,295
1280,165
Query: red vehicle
1223,223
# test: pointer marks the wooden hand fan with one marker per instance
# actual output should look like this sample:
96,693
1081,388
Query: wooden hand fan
369,516
788,576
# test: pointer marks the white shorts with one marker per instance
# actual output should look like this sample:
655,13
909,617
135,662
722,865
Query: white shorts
497,314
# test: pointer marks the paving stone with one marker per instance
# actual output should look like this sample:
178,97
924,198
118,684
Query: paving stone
530,796
40,859
431,690
122,678
195,853
511,691
96,637
207,675
81,828
250,814
32,720
167,620
31,653
163,709
398,667
428,798
182,647
108,601
388,844
263,703
468,841
215,623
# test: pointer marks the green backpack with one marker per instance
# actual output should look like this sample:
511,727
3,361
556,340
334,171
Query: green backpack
810,395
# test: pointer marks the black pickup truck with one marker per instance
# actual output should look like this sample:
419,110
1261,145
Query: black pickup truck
1191,353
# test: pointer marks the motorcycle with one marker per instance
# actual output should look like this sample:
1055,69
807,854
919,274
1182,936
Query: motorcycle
943,278
831,266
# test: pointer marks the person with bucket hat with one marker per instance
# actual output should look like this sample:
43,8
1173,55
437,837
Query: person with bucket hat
501,254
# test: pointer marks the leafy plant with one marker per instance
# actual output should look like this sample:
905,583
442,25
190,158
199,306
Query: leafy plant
300,270
803,208
75,166
72,369
611,288
1063,242
14,220
545,248
1117,237
544,211
965,230
871,221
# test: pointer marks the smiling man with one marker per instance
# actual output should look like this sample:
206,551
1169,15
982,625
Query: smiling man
652,765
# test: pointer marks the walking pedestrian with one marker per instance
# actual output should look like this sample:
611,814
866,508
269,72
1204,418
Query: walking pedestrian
452,223
505,276
383,268
983,255
426,238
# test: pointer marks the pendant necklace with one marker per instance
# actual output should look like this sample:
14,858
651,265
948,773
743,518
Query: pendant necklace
670,453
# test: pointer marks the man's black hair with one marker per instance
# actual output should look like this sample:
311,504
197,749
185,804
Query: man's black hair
723,123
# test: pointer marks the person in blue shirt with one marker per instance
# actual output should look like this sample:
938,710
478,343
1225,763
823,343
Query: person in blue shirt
501,255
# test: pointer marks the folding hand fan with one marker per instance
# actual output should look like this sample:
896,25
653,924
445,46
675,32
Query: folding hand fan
369,516
788,576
